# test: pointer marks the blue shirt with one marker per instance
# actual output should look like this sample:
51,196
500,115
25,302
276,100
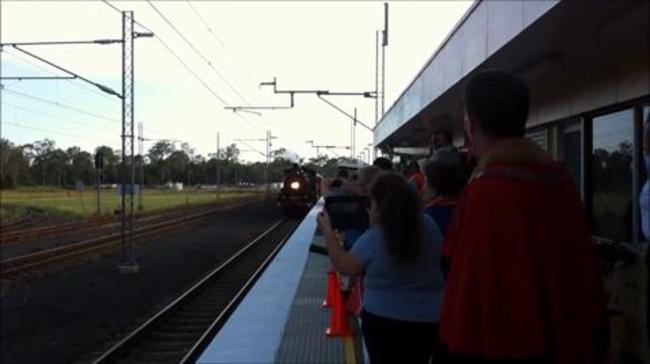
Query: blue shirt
410,292
441,214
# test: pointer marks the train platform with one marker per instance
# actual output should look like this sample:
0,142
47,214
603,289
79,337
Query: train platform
281,319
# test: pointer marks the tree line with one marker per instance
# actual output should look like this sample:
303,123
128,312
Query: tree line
41,163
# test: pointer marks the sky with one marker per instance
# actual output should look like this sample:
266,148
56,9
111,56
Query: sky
306,45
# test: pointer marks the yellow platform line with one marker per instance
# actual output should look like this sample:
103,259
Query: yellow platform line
350,353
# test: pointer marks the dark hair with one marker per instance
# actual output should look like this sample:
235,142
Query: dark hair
399,216
445,132
383,163
444,177
413,167
498,103
343,173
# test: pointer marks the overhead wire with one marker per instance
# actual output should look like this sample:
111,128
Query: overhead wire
120,11
61,105
33,64
87,88
222,45
187,41
216,38
205,59
187,68
58,117
54,132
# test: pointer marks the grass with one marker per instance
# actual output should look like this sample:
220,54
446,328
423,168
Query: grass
73,203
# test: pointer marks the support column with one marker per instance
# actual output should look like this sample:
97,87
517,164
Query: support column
127,259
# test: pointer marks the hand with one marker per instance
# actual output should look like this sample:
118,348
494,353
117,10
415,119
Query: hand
325,223
340,235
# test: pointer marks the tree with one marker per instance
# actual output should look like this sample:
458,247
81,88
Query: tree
231,153
161,150
14,165
111,164
177,163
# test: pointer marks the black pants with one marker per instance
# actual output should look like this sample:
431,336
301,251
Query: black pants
395,341
450,358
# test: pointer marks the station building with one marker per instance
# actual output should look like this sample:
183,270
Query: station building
587,64
588,69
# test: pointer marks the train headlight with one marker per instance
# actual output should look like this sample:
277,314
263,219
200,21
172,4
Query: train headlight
294,185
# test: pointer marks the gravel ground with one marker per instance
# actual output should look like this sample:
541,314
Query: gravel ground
68,315
37,243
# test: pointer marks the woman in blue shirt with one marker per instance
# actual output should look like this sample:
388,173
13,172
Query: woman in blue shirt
400,255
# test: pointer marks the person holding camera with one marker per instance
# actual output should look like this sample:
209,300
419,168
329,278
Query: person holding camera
400,255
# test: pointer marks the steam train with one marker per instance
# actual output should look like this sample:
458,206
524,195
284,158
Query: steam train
300,190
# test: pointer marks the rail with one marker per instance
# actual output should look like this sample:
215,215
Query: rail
180,331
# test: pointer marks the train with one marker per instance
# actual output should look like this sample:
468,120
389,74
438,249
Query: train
300,190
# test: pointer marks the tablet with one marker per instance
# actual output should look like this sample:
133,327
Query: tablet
348,212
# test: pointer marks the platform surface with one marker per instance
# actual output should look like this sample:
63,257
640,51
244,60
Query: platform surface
304,339
281,318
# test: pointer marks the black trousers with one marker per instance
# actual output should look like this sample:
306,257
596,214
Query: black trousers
451,358
395,341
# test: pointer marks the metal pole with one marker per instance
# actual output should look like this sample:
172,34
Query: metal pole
141,165
127,263
376,76
98,192
353,137
268,157
383,59
217,177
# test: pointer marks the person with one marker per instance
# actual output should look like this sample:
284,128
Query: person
334,187
644,197
362,185
644,205
442,138
445,181
383,163
367,176
403,284
360,188
524,284
414,177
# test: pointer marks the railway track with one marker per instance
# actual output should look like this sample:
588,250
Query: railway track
179,332
9,234
23,263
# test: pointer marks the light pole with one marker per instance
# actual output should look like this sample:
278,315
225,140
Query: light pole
127,261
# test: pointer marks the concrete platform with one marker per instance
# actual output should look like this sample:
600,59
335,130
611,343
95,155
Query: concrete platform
304,340
281,318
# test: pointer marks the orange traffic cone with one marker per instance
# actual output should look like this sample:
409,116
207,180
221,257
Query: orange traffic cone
332,286
353,303
338,320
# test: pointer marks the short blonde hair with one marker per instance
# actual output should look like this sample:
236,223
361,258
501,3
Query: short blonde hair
367,176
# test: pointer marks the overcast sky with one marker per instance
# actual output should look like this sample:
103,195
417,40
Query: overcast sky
306,45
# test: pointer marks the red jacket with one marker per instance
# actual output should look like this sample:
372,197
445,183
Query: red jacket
524,278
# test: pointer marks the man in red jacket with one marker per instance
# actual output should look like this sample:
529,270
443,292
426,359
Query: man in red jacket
524,284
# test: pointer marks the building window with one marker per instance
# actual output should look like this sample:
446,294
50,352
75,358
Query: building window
612,171
571,151
540,137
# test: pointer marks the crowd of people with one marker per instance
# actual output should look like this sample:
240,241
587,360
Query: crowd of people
479,258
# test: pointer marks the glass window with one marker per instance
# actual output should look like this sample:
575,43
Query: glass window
612,175
572,154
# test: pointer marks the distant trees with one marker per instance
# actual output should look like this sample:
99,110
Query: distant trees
42,163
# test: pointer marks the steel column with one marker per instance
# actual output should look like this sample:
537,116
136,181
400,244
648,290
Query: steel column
127,259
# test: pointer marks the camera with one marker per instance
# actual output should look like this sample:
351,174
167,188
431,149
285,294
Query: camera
348,212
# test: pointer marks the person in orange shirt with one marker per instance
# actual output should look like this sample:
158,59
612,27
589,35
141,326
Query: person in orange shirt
415,177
